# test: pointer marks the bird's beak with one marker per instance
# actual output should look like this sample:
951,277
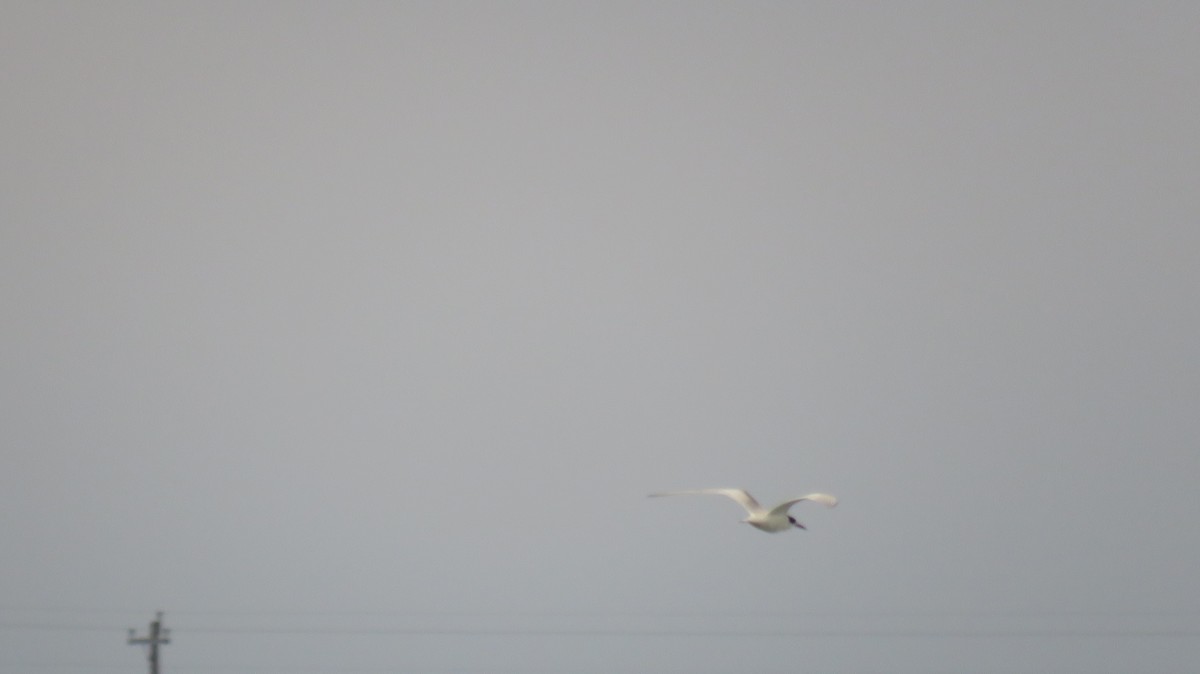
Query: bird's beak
800,526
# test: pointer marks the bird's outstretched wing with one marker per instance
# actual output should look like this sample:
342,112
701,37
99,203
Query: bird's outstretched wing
827,500
740,495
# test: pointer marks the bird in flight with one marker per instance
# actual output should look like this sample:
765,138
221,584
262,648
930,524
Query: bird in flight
772,521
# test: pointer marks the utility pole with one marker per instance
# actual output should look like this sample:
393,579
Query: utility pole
156,636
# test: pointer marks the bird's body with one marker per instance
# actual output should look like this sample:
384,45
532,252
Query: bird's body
773,520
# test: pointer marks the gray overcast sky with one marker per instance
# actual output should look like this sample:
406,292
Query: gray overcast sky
330,324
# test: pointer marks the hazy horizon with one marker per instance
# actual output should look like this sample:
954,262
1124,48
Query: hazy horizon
354,335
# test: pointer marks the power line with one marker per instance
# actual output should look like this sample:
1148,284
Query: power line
798,633
724,614
1057,633
47,627
320,669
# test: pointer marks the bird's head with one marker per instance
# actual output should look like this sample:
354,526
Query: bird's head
796,524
